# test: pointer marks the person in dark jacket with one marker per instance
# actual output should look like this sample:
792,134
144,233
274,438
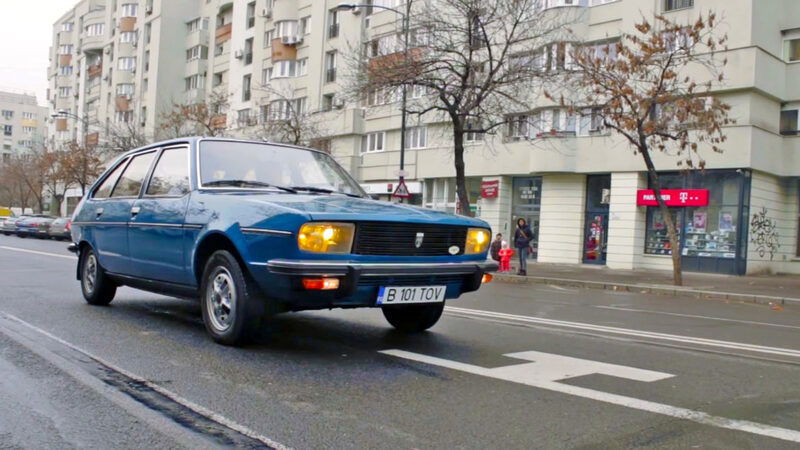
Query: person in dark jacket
497,244
522,241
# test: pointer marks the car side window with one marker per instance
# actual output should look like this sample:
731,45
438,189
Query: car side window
130,183
104,190
171,175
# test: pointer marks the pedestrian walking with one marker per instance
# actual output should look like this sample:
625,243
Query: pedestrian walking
497,244
522,241
505,255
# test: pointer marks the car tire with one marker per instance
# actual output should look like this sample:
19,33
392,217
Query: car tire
97,287
413,318
231,304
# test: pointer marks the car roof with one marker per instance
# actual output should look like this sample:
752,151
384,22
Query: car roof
192,140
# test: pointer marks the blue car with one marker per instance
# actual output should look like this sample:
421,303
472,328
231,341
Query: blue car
253,229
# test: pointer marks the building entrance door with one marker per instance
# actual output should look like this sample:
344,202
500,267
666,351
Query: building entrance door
526,204
595,236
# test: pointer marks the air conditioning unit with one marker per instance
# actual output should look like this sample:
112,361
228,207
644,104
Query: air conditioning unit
148,9
238,54
338,103
107,50
291,40
266,12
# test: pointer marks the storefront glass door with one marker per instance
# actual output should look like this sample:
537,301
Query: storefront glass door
595,240
526,204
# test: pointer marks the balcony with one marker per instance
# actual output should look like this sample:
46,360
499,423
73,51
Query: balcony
127,24
282,52
223,33
94,70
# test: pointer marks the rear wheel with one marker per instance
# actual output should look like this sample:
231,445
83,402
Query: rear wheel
232,308
97,288
413,318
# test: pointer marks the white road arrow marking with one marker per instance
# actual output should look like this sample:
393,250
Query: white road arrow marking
548,369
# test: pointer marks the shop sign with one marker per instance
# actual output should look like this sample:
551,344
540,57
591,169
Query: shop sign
490,189
673,197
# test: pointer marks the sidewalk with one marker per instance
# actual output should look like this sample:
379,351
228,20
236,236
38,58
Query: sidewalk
773,290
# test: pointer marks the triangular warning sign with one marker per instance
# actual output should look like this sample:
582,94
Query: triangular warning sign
402,190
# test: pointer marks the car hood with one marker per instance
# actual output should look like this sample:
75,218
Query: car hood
340,207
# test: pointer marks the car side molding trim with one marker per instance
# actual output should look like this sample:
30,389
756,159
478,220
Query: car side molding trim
249,230
189,226
99,223
305,267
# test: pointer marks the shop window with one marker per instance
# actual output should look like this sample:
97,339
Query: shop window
656,237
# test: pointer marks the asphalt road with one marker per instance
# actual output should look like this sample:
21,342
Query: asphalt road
590,369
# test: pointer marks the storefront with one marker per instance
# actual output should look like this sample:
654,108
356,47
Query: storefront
710,210
526,203
598,198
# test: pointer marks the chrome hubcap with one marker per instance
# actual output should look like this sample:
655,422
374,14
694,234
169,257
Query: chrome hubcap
221,299
90,273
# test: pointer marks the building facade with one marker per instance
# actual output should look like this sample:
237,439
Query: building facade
23,123
581,188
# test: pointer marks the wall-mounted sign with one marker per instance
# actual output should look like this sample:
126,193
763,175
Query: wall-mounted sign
673,197
490,189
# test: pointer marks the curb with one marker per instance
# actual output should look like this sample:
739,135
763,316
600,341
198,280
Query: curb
673,291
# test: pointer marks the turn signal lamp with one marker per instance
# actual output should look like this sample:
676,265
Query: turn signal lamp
487,277
477,241
321,284
324,237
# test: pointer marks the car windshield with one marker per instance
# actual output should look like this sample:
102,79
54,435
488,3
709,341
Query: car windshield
263,166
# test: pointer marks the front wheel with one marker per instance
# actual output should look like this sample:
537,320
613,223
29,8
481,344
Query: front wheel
413,318
231,306
97,288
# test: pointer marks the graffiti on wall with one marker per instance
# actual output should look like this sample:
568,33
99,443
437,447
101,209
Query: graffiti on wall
764,234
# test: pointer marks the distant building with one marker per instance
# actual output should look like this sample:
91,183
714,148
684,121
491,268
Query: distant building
23,123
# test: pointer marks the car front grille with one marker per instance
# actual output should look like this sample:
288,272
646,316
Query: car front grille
401,239
412,280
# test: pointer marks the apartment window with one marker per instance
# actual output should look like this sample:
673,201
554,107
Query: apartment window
246,88
671,5
791,50
602,2
285,28
127,37
279,110
789,122
248,51
604,51
28,115
26,143
302,67
251,14
65,49
8,130
330,66
269,35
327,102
518,126
266,75
373,142
333,23
244,117
148,28
67,26
65,71
28,130
125,89
219,49
95,29
384,45
200,23
7,157
218,79
195,82
8,114
473,136
143,115
64,91
305,25
129,9
417,137
197,52
147,60
123,116
798,220
126,63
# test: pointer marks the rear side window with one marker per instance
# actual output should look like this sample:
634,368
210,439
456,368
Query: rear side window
104,190
130,183
171,175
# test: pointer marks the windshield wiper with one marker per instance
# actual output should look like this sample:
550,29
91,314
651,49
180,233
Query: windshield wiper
322,190
247,183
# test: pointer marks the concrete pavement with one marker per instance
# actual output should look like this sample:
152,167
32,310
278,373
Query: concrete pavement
341,379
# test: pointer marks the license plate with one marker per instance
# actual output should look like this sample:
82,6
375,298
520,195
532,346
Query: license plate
401,295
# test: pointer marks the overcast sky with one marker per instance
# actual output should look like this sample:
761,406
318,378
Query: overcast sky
25,33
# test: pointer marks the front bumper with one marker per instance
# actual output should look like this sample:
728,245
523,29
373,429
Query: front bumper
359,281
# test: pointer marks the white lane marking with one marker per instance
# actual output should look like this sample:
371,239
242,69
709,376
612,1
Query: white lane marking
35,252
627,332
751,322
169,394
526,374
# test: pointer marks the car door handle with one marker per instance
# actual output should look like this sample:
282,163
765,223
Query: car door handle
99,212
135,211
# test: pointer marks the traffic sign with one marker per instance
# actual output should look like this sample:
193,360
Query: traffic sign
402,190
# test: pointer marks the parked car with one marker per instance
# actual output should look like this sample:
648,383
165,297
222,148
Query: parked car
30,226
253,229
59,229
9,225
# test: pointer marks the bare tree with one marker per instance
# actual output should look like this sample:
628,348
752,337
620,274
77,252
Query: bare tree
27,172
653,88
469,61
190,119
286,119
82,164
56,181
15,191
119,137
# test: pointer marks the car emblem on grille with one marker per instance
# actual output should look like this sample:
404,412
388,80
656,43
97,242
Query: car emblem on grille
418,240
454,250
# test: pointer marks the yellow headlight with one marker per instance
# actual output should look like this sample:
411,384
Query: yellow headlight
477,241
324,237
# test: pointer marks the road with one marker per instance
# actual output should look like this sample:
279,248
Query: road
509,366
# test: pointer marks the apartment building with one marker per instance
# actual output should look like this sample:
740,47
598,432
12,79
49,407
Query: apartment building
23,123
580,188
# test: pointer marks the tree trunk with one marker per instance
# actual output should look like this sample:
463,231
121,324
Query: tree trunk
672,231
462,196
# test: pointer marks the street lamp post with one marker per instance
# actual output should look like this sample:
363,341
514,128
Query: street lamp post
63,113
403,118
